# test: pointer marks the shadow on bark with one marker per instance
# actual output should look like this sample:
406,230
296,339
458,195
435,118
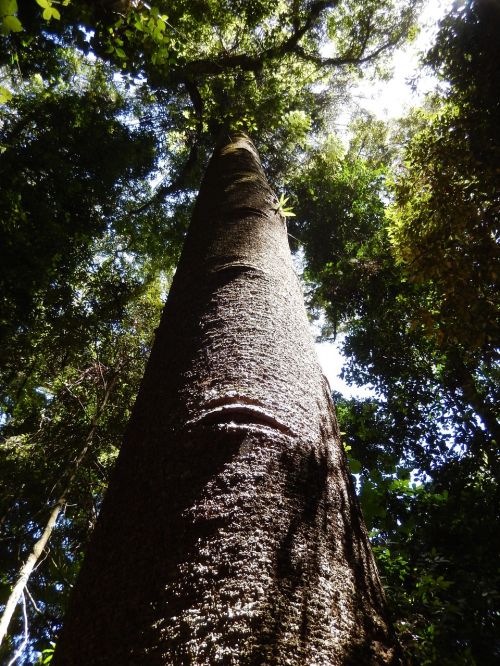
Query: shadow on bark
298,633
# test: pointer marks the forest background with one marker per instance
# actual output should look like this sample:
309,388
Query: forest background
109,113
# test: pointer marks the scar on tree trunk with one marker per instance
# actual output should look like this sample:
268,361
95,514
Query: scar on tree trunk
230,533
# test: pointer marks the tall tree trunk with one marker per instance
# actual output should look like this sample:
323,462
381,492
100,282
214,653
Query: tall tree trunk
230,533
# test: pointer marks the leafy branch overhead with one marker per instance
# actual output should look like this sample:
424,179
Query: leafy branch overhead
10,21
244,67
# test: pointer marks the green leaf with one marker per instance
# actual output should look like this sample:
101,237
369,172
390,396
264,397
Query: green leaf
8,7
5,95
43,3
12,23
355,465
285,212
403,473
121,53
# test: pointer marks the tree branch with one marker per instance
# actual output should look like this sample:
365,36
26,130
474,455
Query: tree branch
347,59
163,190
20,649
255,63
39,547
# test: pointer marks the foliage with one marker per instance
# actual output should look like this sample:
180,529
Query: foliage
432,537
335,220
66,160
445,218
443,229
413,291
248,65
60,411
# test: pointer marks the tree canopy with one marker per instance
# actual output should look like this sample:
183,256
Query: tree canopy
109,112
412,286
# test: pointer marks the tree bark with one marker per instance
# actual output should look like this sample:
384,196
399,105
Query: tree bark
230,533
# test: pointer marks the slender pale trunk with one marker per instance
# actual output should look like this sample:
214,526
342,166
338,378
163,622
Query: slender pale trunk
27,569
57,507
230,533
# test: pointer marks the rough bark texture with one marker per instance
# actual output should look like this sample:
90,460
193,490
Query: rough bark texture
230,533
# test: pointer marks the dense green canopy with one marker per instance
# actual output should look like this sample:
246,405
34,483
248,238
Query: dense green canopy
109,112
413,288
